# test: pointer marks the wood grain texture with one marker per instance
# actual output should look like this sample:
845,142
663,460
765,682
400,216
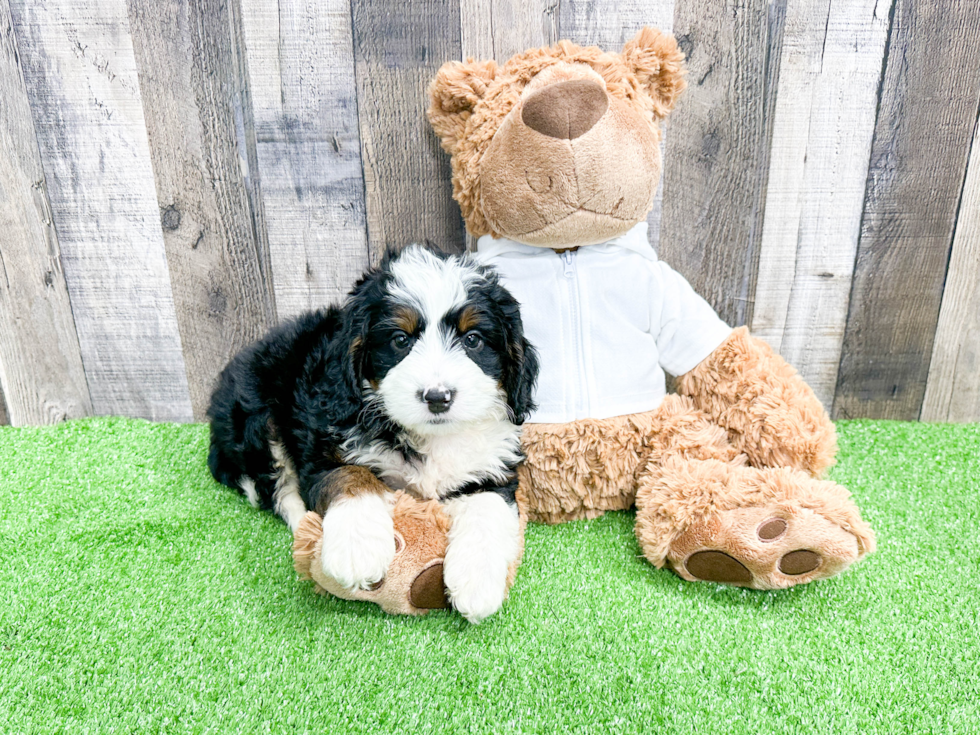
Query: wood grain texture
824,122
217,255
176,176
498,29
41,376
717,153
82,83
953,387
301,70
406,174
609,24
918,161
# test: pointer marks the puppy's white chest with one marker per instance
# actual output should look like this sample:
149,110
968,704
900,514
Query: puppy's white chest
446,463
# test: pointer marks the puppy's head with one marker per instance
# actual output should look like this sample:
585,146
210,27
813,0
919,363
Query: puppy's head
438,342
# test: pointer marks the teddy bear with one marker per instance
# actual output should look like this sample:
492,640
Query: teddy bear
556,158
555,162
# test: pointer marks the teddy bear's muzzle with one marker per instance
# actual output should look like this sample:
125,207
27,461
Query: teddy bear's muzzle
570,166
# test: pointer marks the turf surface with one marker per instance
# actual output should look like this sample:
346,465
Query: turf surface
136,595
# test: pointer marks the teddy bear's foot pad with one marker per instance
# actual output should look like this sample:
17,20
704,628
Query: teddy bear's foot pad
428,592
763,548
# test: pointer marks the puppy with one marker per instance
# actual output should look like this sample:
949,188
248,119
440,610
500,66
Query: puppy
420,379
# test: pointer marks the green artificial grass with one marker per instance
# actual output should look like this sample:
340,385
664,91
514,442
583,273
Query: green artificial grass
137,595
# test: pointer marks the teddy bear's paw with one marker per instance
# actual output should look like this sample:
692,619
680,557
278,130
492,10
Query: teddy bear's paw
358,541
763,548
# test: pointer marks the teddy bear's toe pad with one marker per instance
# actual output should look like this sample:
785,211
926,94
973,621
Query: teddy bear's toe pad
717,566
764,548
428,592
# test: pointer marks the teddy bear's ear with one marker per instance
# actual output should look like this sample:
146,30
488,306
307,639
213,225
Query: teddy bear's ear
453,94
659,65
308,534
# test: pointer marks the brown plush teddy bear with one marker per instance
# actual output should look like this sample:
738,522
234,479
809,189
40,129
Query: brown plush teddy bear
555,159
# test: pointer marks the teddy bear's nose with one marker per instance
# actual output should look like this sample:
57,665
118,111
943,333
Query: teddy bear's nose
565,109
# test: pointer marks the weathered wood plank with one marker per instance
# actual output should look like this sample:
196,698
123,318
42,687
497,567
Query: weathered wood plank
81,79
406,174
925,124
41,374
717,153
498,29
953,386
609,24
824,121
301,72
216,251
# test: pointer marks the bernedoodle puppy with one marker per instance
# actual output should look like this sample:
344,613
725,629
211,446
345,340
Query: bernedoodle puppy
420,380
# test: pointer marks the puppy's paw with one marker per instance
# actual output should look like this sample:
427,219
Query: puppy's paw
476,581
358,541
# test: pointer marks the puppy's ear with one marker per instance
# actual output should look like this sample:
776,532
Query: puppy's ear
356,358
520,366
356,329
659,65
520,377
453,94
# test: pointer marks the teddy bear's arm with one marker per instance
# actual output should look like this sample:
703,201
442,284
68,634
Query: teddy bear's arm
770,413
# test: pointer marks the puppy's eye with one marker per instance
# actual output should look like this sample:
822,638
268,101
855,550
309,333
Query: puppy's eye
401,341
473,341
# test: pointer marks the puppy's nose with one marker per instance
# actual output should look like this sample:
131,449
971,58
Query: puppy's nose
565,109
439,399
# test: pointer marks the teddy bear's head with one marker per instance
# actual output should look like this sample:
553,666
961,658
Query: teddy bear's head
559,146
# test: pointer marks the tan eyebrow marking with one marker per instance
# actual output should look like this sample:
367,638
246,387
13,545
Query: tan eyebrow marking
468,320
406,319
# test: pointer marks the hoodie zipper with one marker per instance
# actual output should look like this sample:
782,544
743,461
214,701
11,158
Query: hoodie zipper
568,259
575,312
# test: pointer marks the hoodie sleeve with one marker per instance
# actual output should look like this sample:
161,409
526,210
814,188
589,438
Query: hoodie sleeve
689,329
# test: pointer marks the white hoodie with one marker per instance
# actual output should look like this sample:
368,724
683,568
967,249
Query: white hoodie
607,320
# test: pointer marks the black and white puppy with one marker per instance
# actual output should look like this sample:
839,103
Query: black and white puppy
423,377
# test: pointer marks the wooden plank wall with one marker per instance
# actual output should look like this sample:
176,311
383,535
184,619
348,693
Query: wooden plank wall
83,86
822,130
717,154
216,249
301,118
926,118
953,388
177,176
41,374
